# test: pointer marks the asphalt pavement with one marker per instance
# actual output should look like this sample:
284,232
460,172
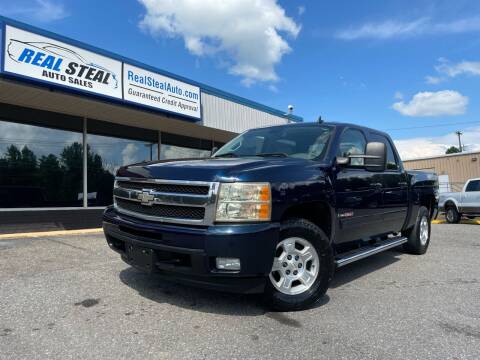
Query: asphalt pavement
71,297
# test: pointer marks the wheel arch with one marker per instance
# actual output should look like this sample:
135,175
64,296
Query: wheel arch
450,203
318,212
430,202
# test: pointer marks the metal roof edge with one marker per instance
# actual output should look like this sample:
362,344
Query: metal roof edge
444,156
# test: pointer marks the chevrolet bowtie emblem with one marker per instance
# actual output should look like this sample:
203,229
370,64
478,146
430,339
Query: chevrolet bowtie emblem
146,198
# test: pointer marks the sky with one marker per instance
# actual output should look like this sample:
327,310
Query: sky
411,68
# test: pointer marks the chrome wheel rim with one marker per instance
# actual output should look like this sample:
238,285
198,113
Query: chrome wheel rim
423,230
295,266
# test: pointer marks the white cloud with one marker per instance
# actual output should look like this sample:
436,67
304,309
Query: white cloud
401,29
433,80
248,32
398,95
445,102
129,154
446,69
42,141
273,88
461,68
175,152
431,146
301,10
40,10
383,30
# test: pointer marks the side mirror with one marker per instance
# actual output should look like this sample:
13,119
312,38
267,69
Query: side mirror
343,161
375,157
214,150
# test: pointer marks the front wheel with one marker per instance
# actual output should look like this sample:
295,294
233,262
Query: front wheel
302,267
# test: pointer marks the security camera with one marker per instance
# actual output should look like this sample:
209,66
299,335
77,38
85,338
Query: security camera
290,107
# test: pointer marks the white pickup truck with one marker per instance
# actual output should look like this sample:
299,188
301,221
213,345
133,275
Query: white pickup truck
458,204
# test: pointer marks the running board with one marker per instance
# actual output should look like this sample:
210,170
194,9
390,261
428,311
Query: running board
366,251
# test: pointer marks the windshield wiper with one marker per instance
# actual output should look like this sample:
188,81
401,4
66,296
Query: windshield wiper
227,154
276,154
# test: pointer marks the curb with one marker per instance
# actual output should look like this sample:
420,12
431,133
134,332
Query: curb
466,222
50,233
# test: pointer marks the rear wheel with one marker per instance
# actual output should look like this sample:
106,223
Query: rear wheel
419,235
452,215
302,267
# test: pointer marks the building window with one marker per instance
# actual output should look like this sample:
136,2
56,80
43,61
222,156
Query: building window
105,155
39,166
41,157
179,152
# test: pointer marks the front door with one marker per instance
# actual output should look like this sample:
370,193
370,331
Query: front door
358,192
471,197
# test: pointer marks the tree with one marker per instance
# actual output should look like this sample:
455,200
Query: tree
71,160
21,166
452,150
51,177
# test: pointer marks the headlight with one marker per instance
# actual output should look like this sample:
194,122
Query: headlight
244,202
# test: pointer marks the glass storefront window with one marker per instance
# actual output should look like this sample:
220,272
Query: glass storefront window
178,152
105,155
39,166
42,166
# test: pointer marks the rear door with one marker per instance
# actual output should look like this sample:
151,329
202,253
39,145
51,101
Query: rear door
358,192
394,188
471,197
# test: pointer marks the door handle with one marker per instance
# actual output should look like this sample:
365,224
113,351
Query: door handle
402,183
376,185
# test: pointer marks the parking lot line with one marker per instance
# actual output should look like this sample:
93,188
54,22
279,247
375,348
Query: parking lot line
50,233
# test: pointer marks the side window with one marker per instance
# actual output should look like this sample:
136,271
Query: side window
352,142
473,186
392,163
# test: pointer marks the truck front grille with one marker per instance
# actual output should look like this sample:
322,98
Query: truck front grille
184,202
166,188
163,211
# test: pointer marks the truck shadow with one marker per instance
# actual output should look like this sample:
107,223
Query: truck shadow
356,270
215,302
196,299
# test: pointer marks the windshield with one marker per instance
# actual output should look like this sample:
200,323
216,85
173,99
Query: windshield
304,142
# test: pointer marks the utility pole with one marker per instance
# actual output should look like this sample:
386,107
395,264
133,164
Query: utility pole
459,134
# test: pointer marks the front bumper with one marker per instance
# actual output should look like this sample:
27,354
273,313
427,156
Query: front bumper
187,254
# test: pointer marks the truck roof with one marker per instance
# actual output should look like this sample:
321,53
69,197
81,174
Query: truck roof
335,124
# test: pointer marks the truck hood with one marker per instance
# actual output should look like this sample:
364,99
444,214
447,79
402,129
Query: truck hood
223,169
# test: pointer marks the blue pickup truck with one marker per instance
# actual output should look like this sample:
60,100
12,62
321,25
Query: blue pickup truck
274,211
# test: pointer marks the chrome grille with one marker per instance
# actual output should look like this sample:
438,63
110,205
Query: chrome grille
164,211
166,188
186,202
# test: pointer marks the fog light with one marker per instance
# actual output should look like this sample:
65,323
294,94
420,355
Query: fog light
228,263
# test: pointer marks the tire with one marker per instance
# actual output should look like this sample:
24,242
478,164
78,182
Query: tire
305,289
452,215
419,235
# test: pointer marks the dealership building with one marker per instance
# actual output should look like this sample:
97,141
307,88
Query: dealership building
72,114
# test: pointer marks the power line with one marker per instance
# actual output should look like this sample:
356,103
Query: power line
433,126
